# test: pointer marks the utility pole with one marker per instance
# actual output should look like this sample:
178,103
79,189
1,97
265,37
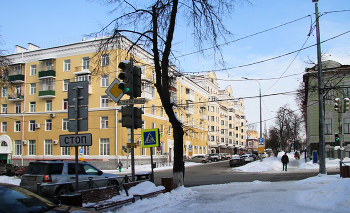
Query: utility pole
321,147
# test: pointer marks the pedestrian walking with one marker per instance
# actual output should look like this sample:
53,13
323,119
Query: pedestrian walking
120,166
285,161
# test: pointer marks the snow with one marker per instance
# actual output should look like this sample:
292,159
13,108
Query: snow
322,193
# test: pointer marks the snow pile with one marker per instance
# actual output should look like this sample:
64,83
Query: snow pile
144,188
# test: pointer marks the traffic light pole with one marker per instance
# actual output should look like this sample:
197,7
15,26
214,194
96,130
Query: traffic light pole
133,123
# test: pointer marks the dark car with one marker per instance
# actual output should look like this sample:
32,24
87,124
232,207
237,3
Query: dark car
17,199
7,169
51,172
237,160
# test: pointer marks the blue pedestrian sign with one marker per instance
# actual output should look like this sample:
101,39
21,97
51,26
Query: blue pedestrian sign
150,137
261,141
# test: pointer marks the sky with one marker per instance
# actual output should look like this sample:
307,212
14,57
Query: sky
321,193
261,31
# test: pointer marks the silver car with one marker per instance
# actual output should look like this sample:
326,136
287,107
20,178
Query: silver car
51,172
200,159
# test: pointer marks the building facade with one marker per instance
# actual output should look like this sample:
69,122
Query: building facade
34,106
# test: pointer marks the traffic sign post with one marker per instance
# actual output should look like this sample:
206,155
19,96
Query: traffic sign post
150,138
76,140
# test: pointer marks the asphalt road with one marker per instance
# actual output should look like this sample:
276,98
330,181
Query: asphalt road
220,173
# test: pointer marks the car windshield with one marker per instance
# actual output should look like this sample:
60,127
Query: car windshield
44,168
16,199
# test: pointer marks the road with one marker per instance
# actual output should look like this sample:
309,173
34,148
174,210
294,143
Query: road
220,173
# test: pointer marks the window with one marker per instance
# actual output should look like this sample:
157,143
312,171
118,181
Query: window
347,125
48,125
31,147
153,75
17,126
85,63
143,69
48,105
153,110
222,122
18,147
327,126
222,131
31,125
4,92
86,150
104,101
104,146
222,140
65,150
33,69
153,125
104,80
143,151
48,147
230,118
18,108
4,126
153,92
65,124
66,65
212,129
65,84
212,138
105,60
32,88
32,106
162,129
104,122
3,108
182,90
161,112
65,104
169,130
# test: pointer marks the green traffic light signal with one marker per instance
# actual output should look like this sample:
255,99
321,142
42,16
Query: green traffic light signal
337,138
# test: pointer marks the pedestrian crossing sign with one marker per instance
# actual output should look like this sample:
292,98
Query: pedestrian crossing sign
150,137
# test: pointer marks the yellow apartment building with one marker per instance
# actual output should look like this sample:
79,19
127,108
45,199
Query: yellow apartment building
34,106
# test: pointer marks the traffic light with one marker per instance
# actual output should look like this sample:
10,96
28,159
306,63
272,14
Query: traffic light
126,75
136,81
337,138
337,105
346,104
138,117
126,120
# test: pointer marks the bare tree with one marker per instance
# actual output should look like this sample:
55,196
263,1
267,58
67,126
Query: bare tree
154,27
4,62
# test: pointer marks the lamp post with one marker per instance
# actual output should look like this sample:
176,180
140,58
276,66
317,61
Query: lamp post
260,105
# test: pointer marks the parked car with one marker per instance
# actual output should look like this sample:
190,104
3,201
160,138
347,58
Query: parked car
226,156
19,170
263,155
200,159
214,157
7,169
248,158
237,160
17,199
50,172
253,156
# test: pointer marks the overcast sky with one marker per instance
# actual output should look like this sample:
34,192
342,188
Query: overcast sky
49,23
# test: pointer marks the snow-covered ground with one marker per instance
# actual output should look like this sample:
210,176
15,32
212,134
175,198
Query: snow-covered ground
323,193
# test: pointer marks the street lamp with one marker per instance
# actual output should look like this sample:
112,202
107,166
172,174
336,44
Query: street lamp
260,105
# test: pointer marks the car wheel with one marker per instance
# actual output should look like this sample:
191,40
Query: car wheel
230,165
61,190
215,160
203,161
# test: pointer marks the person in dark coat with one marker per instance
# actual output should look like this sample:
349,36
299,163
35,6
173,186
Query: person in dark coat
120,166
285,161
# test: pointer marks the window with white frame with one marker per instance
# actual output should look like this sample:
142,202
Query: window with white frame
153,110
104,80
4,126
327,126
192,134
18,89
3,108
182,90
105,60
104,101
31,125
80,78
170,130
104,146
66,65
4,92
48,147
48,105
162,148
86,150
18,108
104,122
143,151
32,106
143,69
17,147
32,90
48,125
65,150
33,70
162,129
31,147
17,126
201,135
153,75
153,92
86,63
65,122
65,84
161,112
65,104
153,125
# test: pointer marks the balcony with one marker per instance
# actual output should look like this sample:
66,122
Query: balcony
146,95
47,94
16,78
16,73
47,74
189,110
81,70
47,88
203,117
15,97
